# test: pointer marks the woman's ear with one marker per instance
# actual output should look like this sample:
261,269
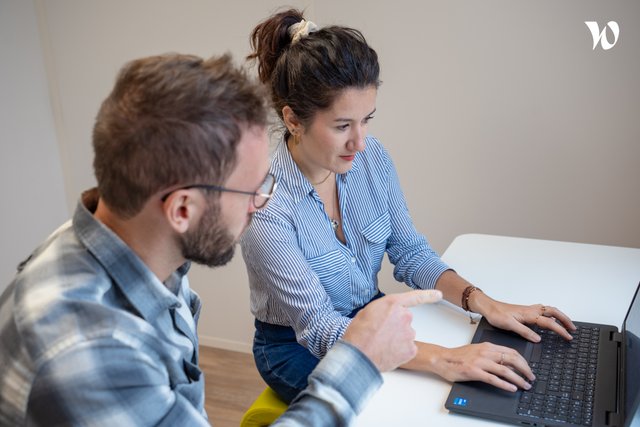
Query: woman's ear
182,210
291,121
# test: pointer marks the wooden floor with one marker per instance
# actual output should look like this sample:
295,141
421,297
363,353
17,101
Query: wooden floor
232,384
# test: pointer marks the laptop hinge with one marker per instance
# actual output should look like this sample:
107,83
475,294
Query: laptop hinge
614,419
616,337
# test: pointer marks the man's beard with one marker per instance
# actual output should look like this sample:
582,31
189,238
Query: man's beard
210,244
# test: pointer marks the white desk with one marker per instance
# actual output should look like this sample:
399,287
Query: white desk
588,282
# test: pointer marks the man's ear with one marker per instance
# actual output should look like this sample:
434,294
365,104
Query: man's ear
290,119
182,209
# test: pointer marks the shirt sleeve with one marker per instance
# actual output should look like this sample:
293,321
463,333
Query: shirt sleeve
281,276
416,263
109,383
338,390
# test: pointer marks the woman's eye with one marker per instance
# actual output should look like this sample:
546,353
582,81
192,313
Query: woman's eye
342,127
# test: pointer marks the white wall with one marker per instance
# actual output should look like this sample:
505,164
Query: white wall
88,42
502,119
31,187
499,115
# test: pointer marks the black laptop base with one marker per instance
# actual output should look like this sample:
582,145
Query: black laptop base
549,402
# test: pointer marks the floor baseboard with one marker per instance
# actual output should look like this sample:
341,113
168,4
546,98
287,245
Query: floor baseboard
225,344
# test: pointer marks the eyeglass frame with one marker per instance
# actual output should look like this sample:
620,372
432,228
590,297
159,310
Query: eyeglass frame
267,196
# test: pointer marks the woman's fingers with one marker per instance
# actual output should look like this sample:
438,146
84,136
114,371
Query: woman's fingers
553,319
519,319
510,369
549,318
516,365
502,367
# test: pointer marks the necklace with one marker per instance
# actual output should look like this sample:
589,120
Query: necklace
323,181
335,223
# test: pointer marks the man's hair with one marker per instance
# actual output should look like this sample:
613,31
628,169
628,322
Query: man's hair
171,120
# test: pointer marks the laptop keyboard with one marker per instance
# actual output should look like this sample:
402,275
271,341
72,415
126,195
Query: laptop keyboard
565,378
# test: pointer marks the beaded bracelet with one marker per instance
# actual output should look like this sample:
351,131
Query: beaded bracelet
466,294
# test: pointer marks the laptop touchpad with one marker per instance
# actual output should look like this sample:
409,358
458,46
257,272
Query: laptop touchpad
506,339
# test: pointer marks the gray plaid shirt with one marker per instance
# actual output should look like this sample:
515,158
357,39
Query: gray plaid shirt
90,337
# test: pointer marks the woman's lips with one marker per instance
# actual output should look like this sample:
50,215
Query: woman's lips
348,158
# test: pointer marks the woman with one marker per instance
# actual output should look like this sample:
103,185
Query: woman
314,253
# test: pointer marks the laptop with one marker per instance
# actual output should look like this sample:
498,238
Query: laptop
593,380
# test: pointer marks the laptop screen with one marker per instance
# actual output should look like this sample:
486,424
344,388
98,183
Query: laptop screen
631,328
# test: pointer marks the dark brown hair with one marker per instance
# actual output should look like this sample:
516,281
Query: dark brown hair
171,119
308,75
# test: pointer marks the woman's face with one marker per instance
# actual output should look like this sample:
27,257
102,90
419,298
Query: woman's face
336,134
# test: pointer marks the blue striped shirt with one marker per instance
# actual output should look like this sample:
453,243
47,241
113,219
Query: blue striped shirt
302,276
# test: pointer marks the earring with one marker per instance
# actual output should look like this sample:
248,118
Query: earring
296,137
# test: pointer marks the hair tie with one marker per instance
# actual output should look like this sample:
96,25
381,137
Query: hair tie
301,29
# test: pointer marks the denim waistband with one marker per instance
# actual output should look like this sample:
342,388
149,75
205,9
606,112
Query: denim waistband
272,332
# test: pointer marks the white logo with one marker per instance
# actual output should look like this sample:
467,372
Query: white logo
601,37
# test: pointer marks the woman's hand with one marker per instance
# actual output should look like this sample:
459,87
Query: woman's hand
515,318
499,366
505,316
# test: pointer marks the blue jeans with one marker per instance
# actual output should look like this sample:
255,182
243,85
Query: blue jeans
282,362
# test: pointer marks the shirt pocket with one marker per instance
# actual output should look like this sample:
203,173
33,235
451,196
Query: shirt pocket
191,385
379,230
333,271
376,234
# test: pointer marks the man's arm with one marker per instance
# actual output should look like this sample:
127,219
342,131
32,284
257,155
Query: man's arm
379,338
107,382
338,389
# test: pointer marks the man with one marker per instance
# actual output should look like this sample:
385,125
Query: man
99,325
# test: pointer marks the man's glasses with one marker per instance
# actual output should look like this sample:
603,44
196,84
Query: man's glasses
260,197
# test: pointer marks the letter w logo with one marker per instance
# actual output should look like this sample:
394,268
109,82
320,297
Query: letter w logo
601,37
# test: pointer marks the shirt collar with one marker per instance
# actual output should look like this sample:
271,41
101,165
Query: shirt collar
146,293
287,171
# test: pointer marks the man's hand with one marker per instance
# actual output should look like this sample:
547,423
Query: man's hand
382,330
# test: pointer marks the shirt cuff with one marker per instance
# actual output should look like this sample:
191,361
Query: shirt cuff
348,371
427,274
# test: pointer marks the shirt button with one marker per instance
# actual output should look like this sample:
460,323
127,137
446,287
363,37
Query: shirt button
353,259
